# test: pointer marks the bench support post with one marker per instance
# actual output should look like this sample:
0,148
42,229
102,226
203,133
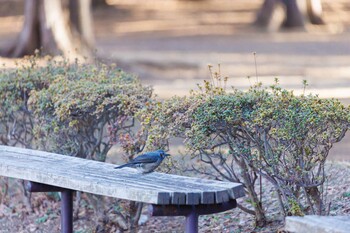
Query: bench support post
192,222
191,212
67,211
66,203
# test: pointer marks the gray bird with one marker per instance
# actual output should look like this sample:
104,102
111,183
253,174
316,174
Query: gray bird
146,162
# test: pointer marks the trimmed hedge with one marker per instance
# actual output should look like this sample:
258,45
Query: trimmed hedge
262,131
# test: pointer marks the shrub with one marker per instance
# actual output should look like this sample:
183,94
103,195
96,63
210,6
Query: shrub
84,112
268,131
66,108
76,109
292,137
16,121
73,109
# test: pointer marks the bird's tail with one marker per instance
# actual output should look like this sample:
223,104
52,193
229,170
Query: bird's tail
121,166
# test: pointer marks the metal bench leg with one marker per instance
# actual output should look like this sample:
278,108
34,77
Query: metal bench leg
66,203
67,211
192,222
191,212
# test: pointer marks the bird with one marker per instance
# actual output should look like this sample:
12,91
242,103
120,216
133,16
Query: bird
146,162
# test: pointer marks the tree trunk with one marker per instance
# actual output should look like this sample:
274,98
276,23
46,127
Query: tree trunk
294,18
81,18
260,218
99,3
28,39
315,194
135,213
314,11
49,28
264,15
274,14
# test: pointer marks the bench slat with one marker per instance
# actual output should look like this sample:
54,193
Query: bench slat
101,178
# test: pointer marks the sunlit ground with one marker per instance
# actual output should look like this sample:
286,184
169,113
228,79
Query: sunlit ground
170,43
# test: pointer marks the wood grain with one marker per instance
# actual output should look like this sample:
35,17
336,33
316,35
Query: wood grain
102,179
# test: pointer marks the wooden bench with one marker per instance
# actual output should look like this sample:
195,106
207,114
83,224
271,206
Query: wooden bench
169,195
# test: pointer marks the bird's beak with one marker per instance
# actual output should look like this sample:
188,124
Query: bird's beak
167,154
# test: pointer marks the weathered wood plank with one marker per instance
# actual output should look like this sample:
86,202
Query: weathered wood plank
193,198
101,178
179,198
208,197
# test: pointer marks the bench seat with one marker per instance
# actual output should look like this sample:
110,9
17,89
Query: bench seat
101,178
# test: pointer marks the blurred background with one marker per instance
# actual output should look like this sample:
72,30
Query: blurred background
169,43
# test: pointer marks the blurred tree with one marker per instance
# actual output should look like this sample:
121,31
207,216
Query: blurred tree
99,3
55,27
289,13
314,11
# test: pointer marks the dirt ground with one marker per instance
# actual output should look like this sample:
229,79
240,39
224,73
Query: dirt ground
169,43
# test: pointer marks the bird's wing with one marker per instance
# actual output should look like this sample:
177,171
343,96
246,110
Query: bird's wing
150,157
